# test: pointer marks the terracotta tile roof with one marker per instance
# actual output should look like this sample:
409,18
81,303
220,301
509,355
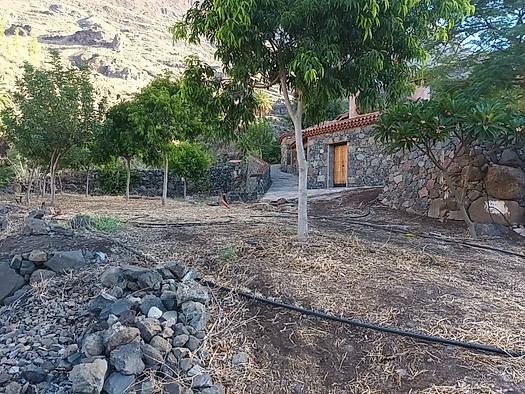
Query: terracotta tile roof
338,124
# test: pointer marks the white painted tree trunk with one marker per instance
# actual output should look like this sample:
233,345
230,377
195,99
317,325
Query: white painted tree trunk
302,165
128,177
87,182
165,185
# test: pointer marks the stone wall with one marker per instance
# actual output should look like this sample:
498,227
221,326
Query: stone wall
368,163
495,191
240,180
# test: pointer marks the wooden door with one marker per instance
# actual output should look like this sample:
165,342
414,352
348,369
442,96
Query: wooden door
340,164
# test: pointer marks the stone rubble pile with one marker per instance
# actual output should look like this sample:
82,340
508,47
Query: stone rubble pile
68,327
150,329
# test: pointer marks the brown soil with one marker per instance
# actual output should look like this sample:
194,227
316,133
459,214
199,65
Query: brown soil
372,274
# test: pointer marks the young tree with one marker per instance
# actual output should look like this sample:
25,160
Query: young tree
189,161
120,137
461,124
162,117
485,54
53,111
255,137
2,31
324,49
33,48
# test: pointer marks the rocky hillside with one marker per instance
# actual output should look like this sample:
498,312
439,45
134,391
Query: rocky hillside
124,42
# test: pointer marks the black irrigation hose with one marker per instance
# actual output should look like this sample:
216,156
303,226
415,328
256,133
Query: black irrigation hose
353,322
446,240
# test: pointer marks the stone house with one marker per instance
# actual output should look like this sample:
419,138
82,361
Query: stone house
344,153
340,153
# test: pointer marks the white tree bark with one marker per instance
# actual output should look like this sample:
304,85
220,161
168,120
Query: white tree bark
165,185
302,165
128,177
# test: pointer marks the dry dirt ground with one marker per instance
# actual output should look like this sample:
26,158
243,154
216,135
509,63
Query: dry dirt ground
370,273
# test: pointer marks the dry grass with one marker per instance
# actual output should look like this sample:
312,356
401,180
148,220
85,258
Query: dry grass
476,299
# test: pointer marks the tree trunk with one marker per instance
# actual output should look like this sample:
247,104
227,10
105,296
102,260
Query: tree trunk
184,183
128,177
165,183
53,169
29,186
302,165
459,194
87,182
44,184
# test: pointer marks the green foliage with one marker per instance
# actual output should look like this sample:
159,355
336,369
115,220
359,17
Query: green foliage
320,111
53,111
257,139
189,160
113,177
2,31
120,136
7,175
263,104
228,253
103,223
422,124
485,54
327,49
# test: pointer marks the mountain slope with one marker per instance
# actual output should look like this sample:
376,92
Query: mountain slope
124,42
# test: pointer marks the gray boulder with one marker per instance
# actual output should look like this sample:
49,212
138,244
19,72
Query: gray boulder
149,328
93,345
505,183
176,388
101,305
149,279
34,374
177,268
34,227
485,210
202,381
66,260
127,359
111,276
150,355
37,256
196,314
161,344
150,301
510,158
192,291
16,262
169,299
27,268
116,337
37,214
120,307
89,378
146,386
10,281
118,383
132,272
215,389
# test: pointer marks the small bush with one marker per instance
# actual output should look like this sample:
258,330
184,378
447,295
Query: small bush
7,176
228,253
102,223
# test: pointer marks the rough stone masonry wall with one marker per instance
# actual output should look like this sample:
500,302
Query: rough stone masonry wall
245,181
495,192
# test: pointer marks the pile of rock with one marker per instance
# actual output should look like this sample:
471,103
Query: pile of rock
149,334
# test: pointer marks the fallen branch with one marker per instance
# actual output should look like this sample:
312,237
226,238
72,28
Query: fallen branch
181,224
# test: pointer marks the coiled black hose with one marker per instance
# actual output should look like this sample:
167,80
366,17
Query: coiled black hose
354,322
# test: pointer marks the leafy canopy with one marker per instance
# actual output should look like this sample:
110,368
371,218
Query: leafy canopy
189,160
485,55
325,48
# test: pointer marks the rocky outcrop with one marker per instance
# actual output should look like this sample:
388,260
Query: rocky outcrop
507,213
23,30
505,183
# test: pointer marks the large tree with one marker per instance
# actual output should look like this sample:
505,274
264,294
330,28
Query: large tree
322,49
54,110
485,54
